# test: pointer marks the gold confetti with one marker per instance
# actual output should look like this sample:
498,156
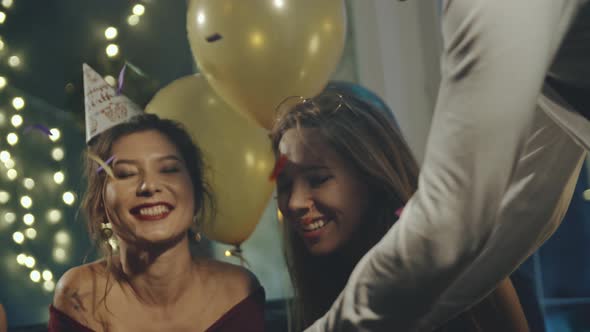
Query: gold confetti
103,165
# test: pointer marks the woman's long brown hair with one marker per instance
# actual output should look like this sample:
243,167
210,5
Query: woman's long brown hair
368,139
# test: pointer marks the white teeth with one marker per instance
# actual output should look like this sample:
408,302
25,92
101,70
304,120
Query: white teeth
154,210
315,225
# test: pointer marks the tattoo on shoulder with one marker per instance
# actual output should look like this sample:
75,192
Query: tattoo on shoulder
76,299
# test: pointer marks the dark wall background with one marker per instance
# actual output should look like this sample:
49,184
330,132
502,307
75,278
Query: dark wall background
52,39
56,37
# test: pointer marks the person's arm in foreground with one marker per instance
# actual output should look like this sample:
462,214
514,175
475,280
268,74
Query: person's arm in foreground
534,205
495,58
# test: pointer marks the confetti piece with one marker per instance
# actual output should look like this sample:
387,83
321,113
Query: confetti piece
135,69
213,38
103,165
106,162
279,165
38,127
121,79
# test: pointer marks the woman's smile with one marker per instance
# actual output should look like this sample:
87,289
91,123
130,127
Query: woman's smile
152,211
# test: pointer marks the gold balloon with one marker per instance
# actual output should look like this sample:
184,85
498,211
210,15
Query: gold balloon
255,53
237,152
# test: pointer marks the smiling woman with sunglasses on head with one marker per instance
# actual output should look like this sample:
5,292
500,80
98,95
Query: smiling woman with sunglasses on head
348,172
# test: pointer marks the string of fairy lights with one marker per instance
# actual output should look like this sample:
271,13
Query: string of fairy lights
25,232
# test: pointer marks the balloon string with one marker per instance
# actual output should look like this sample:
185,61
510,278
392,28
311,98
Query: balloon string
237,252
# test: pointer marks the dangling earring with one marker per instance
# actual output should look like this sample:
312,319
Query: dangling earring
106,232
197,232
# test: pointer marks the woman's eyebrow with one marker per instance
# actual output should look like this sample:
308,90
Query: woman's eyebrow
310,168
169,157
134,162
124,161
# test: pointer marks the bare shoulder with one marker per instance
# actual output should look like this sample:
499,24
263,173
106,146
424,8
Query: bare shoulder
77,292
238,281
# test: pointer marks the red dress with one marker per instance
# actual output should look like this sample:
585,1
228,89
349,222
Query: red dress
246,316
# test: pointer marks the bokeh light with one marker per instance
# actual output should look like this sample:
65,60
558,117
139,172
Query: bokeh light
29,219
31,233
18,237
112,50
18,103
26,202
138,9
57,154
133,20
54,216
29,183
68,198
35,276
12,138
14,61
58,177
55,134
111,33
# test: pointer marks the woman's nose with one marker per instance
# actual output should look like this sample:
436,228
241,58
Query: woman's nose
300,200
148,186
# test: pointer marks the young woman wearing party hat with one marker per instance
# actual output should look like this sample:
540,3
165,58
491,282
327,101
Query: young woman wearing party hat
146,190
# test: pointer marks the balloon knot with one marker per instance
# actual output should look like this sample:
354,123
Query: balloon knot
237,252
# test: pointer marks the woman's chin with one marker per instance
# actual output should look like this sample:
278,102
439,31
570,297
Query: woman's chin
324,241
159,237
320,247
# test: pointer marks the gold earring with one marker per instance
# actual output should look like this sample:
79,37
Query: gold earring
106,232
